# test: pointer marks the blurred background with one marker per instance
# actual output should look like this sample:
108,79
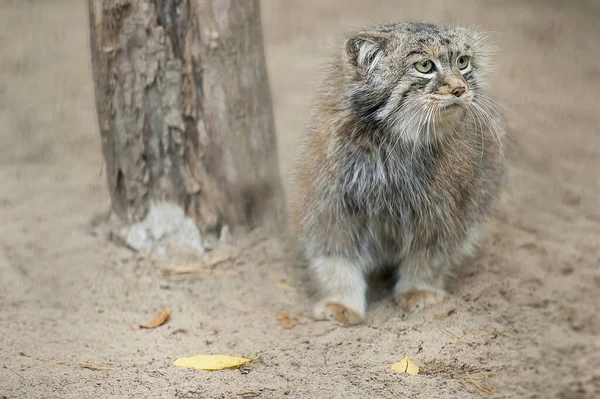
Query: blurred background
538,280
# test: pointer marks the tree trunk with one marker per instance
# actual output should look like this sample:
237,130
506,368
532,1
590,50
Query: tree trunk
184,110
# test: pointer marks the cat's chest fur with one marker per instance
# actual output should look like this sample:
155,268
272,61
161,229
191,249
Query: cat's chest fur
409,196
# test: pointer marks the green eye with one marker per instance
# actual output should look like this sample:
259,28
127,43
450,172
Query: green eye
462,62
425,66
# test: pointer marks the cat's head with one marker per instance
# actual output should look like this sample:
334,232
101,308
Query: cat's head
407,77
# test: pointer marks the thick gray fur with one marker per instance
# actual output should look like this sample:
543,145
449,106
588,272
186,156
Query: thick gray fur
398,169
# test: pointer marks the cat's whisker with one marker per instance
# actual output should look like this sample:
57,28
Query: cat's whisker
485,110
499,107
433,136
418,129
490,105
492,128
429,118
500,111
422,121
478,126
403,126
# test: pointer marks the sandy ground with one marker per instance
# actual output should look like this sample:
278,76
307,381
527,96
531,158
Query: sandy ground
67,294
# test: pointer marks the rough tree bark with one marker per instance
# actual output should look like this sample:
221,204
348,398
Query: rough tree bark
184,110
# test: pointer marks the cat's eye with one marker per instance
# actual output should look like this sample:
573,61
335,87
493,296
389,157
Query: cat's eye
424,66
462,62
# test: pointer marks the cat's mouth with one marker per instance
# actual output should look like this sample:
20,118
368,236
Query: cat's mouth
449,107
450,103
452,107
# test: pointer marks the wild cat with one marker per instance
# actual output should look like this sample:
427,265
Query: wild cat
400,167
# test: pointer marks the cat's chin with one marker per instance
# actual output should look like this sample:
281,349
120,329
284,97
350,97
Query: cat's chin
452,106
452,111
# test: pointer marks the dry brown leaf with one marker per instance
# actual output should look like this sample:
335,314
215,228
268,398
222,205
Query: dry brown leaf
191,269
181,270
95,367
84,365
287,321
159,320
60,362
202,273
178,273
241,395
447,314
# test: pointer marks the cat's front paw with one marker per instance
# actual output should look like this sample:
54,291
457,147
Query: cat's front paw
416,300
332,310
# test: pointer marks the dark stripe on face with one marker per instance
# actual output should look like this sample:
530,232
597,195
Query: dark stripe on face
416,52
414,86
366,102
452,56
470,79
473,85
436,83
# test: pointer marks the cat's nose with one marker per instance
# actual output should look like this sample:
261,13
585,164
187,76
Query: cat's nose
459,91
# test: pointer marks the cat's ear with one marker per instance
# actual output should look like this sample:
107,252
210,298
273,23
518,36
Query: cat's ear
365,49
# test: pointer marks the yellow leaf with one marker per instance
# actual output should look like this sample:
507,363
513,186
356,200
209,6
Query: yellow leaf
212,362
406,366
159,320
286,287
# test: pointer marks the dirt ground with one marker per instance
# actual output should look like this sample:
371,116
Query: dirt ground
524,316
